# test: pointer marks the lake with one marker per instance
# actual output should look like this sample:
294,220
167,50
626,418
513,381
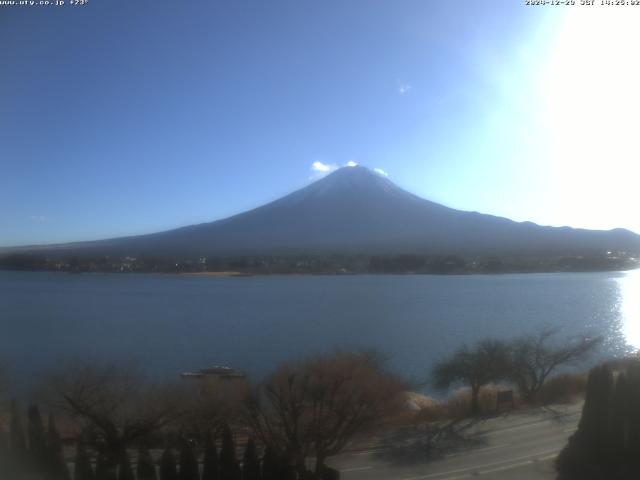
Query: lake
171,323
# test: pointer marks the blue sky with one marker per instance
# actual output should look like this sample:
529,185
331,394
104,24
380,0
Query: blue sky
126,117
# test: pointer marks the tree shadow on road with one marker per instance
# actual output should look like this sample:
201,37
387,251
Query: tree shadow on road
428,442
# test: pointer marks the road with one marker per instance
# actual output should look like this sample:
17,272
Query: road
520,445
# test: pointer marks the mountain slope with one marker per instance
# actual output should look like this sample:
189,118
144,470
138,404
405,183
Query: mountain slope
356,210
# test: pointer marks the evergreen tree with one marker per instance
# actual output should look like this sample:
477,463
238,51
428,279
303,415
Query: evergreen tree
276,466
287,471
595,413
168,469
633,439
229,468
251,463
104,468
83,469
57,467
597,450
210,467
331,474
37,441
17,447
146,469
188,463
124,469
617,443
270,465
17,442
5,458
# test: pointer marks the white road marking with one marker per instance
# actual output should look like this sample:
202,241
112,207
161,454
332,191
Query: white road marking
506,467
356,469
520,426
367,452
476,450
548,457
516,465
476,468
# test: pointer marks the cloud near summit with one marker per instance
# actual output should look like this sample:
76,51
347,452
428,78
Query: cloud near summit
320,169
323,167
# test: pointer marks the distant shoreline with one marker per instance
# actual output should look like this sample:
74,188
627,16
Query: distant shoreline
215,274
337,264
237,274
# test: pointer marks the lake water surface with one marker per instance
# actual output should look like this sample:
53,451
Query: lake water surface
170,324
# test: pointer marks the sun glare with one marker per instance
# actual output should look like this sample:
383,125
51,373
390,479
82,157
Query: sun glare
630,307
590,91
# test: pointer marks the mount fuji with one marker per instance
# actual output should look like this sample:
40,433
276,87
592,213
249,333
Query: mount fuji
355,210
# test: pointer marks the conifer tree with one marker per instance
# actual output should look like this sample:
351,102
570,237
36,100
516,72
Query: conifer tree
83,469
592,451
593,423
168,469
124,469
270,465
146,469
210,467
37,441
633,440
287,471
250,463
229,468
104,468
276,466
17,442
17,451
57,465
188,463
617,443
4,454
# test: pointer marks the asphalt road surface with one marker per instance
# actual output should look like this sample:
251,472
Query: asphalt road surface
520,445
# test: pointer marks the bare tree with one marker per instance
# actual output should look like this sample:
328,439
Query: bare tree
484,363
533,358
114,406
210,406
316,407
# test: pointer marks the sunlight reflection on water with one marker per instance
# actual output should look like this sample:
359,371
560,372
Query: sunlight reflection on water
629,306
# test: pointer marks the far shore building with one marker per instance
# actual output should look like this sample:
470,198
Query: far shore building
218,372
215,378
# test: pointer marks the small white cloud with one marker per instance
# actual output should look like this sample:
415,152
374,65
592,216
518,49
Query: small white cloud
322,167
380,171
403,88
351,163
